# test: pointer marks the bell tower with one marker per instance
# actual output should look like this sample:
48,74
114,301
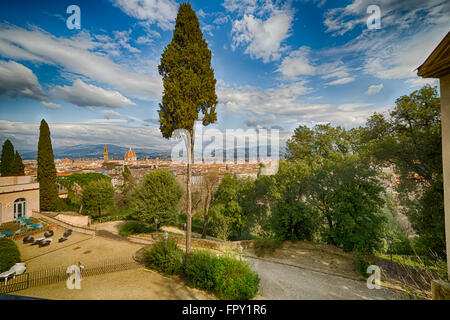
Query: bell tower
105,154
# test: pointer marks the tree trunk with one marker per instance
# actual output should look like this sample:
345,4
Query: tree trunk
81,208
205,222
190,151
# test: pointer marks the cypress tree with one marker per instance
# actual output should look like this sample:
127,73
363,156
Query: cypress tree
18,168
189,88
46,170
7,159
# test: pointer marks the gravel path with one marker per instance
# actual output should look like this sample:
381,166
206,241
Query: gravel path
282,282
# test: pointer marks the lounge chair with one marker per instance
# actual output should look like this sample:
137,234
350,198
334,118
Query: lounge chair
19,268
37,241
5,276
62,239
67,233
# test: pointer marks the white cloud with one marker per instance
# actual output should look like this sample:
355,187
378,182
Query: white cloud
16,80
89,95
51,105
420,82
241,6
258,122
262,29
375,88
74,55
341,81
297,64
161,12
284,104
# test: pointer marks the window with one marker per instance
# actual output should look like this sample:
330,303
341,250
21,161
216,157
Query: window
19,208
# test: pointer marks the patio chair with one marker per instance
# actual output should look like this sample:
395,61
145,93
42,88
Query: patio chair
17,233
28,239
48,233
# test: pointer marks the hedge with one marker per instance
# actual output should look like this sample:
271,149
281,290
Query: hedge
9,254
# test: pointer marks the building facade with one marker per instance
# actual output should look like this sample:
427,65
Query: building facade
19,196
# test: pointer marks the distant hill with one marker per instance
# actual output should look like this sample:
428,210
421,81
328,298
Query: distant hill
114,152
96,151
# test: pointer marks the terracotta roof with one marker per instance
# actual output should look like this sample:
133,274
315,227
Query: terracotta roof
437,64
130,155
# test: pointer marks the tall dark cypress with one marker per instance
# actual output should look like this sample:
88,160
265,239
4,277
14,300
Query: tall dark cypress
7,159
189,88
46,170
18,169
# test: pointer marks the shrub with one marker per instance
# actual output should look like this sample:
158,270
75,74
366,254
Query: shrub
200,270
402,246
234,279
134,227
361,262
9,254
261,245
166,257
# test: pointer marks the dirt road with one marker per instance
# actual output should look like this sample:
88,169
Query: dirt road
283,282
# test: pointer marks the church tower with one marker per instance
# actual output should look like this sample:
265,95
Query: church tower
105,154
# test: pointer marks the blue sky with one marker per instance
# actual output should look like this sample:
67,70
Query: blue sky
277,64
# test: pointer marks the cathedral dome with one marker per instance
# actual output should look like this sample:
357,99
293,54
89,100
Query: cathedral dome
130,155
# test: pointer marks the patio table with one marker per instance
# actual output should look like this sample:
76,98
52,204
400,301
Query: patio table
6,233
25,222
34,226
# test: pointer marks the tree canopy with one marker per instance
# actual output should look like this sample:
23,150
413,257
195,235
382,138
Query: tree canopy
156,197
11,163
97,195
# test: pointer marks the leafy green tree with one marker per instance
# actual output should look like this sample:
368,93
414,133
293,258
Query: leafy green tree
227,197
46,173
156,197
75,184
209,183
343,186
129,183
189,88
409,140
97,195
293,217
18,168
81,179
6,167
